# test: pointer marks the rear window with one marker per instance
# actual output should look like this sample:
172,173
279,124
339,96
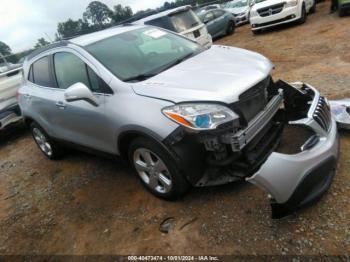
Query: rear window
40,72
184,20
163,22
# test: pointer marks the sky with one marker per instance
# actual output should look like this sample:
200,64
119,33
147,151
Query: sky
22,22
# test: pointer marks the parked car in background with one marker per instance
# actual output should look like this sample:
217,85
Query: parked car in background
182,114
240,10
269,13
343,7
219,22
181,20
10,81
207,8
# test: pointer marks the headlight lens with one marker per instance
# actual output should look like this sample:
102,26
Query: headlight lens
292,3
253,13
200,116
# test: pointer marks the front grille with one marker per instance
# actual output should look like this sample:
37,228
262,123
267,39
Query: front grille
271,10
322,114
253,101
275,21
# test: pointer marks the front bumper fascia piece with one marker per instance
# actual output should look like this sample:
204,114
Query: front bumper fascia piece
9,116
294,181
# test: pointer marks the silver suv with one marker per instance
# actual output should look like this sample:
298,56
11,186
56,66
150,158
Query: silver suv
181,114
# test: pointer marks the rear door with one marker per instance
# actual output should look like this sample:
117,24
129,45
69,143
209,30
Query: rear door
220,21
39,95
209,20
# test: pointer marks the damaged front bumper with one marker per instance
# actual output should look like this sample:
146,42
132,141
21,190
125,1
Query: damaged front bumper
294,181
9,116
253,153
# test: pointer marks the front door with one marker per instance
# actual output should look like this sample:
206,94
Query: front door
83,122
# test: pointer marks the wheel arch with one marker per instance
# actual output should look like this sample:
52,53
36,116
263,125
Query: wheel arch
124,138
28,121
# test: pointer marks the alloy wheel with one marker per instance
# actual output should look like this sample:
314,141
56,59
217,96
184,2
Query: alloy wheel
42,141
152,170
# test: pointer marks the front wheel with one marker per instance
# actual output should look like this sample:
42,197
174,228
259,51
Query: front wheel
303,17
257,31
157,169
313,8
46,145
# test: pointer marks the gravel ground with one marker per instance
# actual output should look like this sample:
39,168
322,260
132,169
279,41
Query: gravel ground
85,204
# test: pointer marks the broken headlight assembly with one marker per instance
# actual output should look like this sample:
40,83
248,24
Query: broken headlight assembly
200,116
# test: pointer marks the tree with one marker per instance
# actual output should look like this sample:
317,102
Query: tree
121,13
5,49
41,43
98,14
72,28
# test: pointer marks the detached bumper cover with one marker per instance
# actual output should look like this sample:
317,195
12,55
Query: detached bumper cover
9,115
294,181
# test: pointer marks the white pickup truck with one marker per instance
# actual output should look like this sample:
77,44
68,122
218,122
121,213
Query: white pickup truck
10,81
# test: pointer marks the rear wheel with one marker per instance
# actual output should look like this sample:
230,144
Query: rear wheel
230,28
341,12
157,169
47,146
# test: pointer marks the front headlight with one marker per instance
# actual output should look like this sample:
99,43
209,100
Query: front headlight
253,13
200,116
292,3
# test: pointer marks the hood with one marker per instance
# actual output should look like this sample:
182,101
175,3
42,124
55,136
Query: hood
218,74
237,10
266,3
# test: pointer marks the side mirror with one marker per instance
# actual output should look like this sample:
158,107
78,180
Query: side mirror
252,3
79,91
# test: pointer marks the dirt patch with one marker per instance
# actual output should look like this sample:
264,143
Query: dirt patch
84,204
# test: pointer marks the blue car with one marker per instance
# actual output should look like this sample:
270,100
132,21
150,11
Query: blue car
219,22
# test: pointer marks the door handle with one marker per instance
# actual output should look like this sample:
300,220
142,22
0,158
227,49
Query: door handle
27,95
61,105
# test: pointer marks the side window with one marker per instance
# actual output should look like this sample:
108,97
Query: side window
70,70
208,17
218,13
30,75
40,73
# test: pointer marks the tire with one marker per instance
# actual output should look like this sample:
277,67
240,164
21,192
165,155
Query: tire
341,12
256,32
47,146
230,28
303,17
157,169
313,8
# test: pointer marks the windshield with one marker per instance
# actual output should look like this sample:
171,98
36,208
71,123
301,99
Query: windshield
184,20
142,53
235,4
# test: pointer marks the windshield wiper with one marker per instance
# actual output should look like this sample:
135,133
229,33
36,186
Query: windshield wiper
140,77
180,60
